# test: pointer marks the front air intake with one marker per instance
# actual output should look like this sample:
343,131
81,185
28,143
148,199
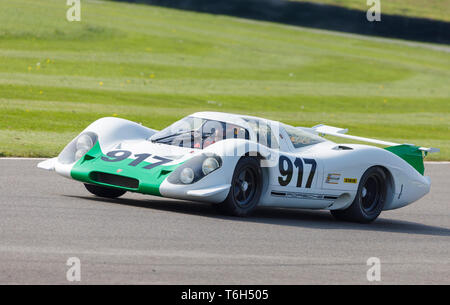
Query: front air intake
115,180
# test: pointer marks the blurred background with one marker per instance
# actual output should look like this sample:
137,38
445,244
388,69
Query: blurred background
155,61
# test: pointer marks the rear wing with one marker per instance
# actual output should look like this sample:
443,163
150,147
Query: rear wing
341,132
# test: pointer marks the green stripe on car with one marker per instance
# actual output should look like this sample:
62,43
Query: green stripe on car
87,170
411,154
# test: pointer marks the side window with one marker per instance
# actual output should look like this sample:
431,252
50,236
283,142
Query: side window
301,138
236,132
265,132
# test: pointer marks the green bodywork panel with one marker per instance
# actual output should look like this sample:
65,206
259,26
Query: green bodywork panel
149,179
410,154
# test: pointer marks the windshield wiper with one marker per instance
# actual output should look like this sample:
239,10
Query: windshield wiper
204,135
172,135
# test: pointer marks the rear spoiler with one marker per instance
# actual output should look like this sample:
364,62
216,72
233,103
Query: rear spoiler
341,132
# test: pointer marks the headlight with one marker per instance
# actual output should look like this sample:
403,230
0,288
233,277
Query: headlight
209,165
195,169
80,153
83,145
187,175
84,142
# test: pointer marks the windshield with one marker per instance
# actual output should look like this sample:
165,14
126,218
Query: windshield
301,138
198,133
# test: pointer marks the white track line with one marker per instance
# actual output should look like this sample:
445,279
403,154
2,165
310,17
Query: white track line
24,159
38,159
437,162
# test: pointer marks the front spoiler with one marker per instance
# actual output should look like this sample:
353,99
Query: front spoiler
208,192
48,164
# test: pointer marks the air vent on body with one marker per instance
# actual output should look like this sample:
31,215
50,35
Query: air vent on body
342,147
115,180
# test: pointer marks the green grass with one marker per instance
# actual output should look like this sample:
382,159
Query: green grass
154,65
431,9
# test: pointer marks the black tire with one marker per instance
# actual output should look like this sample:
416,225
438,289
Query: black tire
369,200
103,191
246,188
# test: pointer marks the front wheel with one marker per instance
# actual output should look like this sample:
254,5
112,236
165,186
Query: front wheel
369,200
102,191
246,188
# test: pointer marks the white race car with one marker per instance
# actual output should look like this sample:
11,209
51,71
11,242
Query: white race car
240,162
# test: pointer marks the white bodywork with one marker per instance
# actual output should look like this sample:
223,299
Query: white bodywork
405,184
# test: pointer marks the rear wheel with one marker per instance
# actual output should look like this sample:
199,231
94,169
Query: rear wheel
103,191
246,187
369,200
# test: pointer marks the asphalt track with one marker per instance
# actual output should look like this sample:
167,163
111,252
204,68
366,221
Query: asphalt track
45,219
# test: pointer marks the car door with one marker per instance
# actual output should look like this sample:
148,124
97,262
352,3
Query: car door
294,181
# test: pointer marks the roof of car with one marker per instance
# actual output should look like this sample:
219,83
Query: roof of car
231,118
